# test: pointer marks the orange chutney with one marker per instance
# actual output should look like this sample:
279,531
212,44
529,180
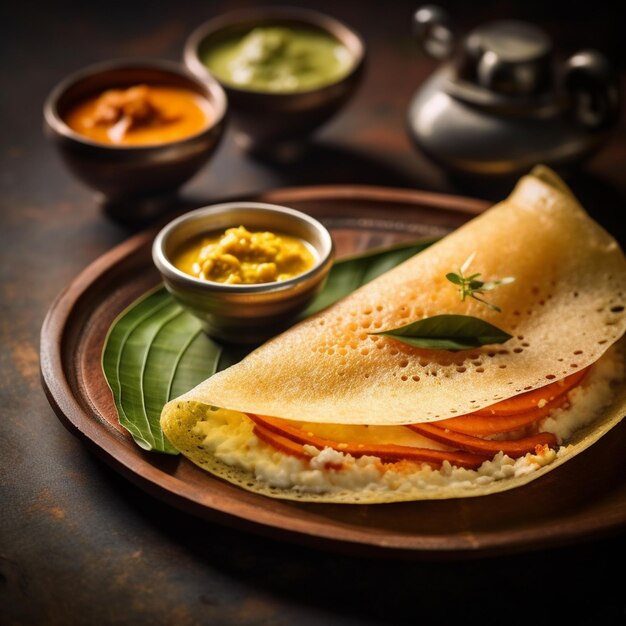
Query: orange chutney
140,115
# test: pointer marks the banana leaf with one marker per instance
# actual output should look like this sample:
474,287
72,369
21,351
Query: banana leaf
155,350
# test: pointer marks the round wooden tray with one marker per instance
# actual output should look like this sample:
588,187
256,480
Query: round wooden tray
584,499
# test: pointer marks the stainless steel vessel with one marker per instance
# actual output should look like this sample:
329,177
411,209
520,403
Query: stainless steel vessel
501,103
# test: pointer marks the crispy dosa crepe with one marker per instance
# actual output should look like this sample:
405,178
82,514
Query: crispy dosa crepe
564,310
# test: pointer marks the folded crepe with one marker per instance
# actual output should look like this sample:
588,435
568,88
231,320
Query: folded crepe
333,411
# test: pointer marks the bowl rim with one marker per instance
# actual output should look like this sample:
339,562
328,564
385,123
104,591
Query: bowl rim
168,270
214,94
346,34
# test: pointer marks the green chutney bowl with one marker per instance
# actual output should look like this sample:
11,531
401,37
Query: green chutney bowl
269,123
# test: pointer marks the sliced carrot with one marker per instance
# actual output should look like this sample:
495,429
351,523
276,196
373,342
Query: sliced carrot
514,448
483,425
280,442
532,399
290,440
458,432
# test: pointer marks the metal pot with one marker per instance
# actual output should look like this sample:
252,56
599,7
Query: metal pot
500,103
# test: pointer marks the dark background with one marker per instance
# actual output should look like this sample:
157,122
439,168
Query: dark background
80,545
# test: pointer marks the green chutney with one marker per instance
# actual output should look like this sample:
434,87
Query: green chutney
279,59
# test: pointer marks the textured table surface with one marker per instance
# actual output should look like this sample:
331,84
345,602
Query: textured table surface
79,544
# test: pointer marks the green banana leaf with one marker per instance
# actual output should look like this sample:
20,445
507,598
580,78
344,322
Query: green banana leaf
155,350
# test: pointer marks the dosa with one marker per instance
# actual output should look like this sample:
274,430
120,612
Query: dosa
335,379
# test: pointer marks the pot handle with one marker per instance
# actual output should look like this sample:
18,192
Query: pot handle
592,84
431,27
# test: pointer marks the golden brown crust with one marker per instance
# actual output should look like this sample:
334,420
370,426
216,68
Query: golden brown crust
565,308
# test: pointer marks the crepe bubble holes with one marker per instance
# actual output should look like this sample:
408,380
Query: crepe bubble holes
243,313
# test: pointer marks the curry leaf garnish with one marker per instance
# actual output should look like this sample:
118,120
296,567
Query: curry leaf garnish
448,332
470,286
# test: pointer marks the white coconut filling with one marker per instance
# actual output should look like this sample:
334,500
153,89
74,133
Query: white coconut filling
587,400
231,440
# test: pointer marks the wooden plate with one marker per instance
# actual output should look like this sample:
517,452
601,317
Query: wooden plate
584,499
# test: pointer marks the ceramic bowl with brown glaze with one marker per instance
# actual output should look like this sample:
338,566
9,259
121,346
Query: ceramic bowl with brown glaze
127,174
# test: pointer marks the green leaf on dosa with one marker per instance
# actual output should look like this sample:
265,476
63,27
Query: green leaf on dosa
448,332
156,351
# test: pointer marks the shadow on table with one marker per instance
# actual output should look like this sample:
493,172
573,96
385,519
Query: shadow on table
331,164
537,587
322,164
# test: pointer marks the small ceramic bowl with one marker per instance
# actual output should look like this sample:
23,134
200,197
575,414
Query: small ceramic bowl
129,173
277,124
243,313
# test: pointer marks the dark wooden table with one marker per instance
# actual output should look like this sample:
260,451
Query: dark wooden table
81,545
